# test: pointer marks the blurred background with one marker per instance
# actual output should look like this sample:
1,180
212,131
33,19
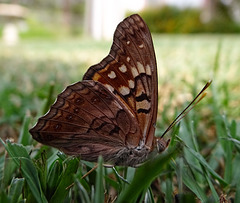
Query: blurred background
98,18
47,45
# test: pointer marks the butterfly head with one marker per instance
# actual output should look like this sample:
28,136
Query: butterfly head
162,144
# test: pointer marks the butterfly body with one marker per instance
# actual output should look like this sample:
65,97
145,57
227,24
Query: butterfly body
113,111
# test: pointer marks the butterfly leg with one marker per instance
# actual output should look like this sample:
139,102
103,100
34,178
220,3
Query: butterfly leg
118,175
115,171
86,174
108,166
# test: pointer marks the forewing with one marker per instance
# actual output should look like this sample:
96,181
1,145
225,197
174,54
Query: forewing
130,72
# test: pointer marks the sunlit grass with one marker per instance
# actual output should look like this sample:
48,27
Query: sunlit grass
204,165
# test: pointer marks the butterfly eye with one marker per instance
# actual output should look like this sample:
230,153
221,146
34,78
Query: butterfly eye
162,144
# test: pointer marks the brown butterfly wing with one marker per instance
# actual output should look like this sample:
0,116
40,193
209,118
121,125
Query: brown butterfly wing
112,112
130,72
88,120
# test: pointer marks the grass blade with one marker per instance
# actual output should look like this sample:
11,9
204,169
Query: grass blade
24,137
67,179
145,175
49,97
53,178
21,158
237,196
191,183
205,164
8,170
217,57
16,189
99,191
82,192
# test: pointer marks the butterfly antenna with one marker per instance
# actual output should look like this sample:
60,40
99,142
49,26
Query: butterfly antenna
189,107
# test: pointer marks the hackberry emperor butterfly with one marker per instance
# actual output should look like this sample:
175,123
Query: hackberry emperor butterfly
113,110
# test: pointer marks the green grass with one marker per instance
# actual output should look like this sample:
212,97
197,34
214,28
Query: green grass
201,163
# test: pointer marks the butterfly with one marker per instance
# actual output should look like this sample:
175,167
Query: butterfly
112,112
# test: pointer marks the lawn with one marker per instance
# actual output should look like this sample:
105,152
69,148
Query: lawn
202,162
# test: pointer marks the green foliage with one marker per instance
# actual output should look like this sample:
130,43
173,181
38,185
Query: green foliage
221,26
99,187
49,19
145,175
22,160
172,20
202,161
169,19
38,29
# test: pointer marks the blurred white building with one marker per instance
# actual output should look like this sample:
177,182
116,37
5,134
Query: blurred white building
12,16
102,16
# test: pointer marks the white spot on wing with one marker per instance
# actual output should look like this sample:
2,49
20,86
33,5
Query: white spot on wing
109,87
112,75
143,105
131,84
134,72
124,90
141,46
148,70
123,68
128,42
140,67
128,59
